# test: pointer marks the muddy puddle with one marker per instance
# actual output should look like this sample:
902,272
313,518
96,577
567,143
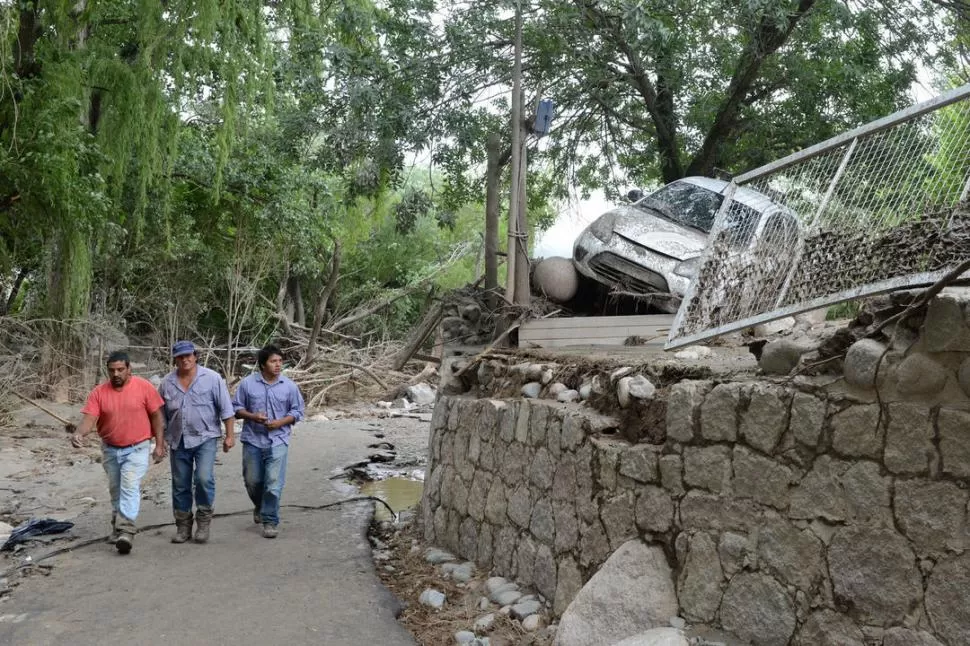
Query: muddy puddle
398,492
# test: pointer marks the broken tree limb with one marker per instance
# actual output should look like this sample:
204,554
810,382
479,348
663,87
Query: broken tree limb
934,289
427,373
281,299
427,325
322,300
501,337
43,408
347,364
377,307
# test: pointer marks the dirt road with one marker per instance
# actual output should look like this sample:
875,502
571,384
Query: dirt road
314,584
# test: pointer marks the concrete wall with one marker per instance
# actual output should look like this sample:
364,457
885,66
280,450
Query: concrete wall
790,514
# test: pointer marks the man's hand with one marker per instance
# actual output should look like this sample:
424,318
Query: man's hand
228,442
259,418
274,424
77,440
159,453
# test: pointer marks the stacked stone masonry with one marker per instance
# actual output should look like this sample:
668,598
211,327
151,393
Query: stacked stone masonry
789,516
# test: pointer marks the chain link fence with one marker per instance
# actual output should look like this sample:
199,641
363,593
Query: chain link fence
873,210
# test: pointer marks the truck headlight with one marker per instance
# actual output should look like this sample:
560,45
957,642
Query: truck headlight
689,268
602,227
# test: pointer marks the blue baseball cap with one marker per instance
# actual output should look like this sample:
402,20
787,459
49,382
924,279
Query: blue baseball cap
183,347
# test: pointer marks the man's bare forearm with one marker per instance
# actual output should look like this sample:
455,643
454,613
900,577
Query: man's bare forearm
158,427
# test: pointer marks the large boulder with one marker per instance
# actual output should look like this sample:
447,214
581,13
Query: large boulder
862,362
633,592
421,394
780,356
556,277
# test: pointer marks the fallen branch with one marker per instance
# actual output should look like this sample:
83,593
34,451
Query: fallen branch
501,337
427,373
932,291
377,307
348,364
46,410
427,325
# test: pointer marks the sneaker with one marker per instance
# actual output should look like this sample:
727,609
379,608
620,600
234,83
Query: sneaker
256,517
112,537
270,531
124,542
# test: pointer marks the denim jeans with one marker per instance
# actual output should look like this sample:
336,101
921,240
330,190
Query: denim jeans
264,471
194,466
125,468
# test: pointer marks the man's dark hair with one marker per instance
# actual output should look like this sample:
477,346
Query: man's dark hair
265,353
118,356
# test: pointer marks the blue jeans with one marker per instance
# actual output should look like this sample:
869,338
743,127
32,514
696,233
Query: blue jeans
264,471
194,466
125,468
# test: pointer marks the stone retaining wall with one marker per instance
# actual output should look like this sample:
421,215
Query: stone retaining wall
790,516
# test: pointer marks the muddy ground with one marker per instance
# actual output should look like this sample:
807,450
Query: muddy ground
42,476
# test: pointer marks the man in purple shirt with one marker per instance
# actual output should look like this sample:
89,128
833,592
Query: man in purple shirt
196,401
270,404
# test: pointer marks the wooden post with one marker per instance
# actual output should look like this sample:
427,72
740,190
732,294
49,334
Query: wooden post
492,177
523,292
510,284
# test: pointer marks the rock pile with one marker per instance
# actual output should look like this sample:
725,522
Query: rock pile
499,597
467,322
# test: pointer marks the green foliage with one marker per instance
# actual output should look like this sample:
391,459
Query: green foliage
655,90
178,161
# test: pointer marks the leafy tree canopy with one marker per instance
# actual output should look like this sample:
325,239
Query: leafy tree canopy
650,90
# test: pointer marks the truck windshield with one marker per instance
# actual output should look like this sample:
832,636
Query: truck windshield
685,204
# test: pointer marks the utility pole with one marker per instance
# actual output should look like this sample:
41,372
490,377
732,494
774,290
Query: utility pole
523,289
517,284
492,207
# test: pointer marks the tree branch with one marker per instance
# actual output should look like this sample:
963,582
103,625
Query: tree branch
766,40
659,103
323,300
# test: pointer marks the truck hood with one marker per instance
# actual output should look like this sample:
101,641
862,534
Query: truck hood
658,233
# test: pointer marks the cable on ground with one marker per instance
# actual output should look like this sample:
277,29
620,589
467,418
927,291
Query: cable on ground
101,539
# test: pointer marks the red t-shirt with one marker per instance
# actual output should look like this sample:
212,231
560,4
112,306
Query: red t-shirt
123,414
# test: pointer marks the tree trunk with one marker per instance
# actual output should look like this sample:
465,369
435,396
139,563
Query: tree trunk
28,32
429,322
769,37
70,274
7,305
68,299
296,297
321,305
282,311
492,177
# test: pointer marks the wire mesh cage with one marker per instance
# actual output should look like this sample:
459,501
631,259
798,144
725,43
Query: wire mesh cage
879,208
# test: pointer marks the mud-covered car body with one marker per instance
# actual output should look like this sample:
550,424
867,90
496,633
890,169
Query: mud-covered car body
653,246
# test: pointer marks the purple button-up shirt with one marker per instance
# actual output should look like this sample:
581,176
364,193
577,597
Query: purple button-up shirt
195,414
276,400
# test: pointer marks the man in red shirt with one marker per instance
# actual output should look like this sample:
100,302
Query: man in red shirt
126,411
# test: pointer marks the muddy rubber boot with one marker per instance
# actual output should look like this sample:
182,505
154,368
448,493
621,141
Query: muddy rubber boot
183,526
126,534
203,516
